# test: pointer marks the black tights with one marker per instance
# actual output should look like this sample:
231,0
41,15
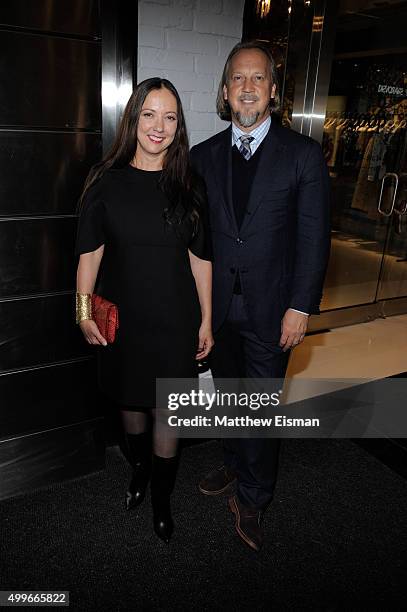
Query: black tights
137,422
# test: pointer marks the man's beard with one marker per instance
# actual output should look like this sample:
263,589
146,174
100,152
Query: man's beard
247,120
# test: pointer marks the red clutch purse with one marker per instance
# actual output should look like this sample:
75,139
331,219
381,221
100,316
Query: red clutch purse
106,316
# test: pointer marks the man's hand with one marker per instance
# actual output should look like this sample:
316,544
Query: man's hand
293,328
206,341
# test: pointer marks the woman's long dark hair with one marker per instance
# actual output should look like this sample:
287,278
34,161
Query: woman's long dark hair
177,177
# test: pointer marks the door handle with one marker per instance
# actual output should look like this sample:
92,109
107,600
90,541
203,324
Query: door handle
402,210
402,202
392,175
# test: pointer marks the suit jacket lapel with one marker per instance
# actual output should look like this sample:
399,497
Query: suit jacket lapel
270,158
222,161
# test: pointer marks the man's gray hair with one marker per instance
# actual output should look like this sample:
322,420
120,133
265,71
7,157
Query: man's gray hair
222,105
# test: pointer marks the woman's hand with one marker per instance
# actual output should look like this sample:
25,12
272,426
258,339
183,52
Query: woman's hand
206,341
91,332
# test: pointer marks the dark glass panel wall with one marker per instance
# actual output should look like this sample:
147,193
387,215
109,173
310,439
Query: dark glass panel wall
55,122
61,84
73,17
26,264
50,135
38,332
39,389
42,173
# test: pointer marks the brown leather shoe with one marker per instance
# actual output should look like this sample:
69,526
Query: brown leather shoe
217,481
247,523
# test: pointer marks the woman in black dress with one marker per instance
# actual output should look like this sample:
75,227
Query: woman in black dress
144,245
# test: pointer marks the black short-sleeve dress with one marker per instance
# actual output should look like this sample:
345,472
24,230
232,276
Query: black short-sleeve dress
146,271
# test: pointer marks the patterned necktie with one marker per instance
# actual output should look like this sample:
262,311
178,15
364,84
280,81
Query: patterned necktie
244,147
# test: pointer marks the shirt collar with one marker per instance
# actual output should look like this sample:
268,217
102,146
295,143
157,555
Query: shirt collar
259,133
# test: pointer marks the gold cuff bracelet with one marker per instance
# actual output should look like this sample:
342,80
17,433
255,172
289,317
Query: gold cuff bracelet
83,306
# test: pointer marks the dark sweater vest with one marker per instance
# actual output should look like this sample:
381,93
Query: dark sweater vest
243,172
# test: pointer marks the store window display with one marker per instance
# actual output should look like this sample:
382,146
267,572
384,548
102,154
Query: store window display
368,138
365,147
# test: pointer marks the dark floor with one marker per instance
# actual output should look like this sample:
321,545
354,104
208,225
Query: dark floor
336,539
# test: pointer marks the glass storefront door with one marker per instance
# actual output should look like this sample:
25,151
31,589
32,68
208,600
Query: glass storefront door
343,70
365,146
393,278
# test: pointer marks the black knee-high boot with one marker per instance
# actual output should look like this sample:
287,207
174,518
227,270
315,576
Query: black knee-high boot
162,484
139,456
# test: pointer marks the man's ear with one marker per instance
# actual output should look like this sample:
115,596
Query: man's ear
225,92
273,91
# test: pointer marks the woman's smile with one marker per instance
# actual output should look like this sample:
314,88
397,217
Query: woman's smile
156,139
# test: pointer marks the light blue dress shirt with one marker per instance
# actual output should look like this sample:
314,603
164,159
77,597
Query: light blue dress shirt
259,133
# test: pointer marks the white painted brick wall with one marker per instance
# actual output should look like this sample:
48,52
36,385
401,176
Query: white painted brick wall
187,42
150,36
